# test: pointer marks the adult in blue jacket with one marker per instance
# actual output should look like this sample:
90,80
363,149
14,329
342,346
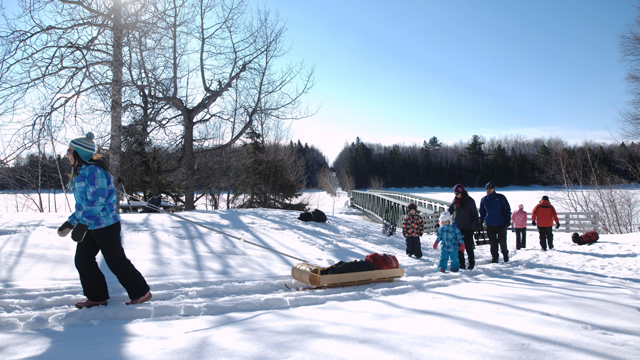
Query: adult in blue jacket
95,227
496,212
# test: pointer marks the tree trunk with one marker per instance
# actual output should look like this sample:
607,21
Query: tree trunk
189,165
116,93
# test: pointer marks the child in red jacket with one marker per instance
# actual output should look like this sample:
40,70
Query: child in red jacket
519,219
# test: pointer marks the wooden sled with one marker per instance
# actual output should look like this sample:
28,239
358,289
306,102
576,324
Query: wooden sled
308,274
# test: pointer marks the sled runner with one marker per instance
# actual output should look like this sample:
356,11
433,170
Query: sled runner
309,274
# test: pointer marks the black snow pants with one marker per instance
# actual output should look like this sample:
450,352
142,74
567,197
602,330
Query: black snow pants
469,245
108,241
498,236
546,237
413,246
521,238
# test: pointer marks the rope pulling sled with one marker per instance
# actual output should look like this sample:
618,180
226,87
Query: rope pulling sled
304,272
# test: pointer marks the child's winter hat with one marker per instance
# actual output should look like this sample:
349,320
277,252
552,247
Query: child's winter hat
85,147
445,216
459,188
412,206
520,206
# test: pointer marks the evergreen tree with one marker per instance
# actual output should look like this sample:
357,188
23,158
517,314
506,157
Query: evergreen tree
433,145
544,165
500,166
359,163
475,156
270,175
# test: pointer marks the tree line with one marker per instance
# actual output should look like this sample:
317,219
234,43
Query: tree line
505,161
256,173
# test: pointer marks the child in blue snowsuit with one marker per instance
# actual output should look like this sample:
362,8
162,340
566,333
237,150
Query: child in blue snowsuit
452,242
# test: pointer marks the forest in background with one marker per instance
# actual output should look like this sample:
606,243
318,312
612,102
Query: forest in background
257,173
506,161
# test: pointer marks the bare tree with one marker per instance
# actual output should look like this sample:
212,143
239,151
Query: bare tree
376,183
215,64
630,51
68,55
329,183
347,182
587,187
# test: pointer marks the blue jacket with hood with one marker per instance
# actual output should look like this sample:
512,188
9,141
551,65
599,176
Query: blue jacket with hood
495,210
95,196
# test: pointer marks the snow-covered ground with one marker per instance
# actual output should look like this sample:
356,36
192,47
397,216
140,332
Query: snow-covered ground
218,298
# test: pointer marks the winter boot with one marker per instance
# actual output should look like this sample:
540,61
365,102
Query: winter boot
89,304
140,300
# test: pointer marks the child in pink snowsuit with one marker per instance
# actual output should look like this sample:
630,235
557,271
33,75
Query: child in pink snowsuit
519,219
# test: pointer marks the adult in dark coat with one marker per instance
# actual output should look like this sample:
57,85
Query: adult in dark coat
496,211
465,215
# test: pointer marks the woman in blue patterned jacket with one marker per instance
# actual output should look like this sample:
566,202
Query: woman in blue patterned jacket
95,226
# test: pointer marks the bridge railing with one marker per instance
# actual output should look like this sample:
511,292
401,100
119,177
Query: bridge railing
392,206
437,206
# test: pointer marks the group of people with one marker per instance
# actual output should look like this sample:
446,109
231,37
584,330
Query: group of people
458,224
95,227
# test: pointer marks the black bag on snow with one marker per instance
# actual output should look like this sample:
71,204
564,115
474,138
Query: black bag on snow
318,216
156,203
342,267
305,216
587,238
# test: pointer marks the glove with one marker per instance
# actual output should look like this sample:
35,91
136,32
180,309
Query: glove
557,225
65,229
462,247
533,223
79,232
435,245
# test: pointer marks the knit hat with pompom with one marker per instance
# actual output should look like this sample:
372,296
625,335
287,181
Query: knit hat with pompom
85,147
445,216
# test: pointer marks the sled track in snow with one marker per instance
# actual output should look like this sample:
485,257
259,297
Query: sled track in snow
53,307
30,309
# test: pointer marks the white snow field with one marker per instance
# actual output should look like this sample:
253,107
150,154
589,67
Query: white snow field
218,298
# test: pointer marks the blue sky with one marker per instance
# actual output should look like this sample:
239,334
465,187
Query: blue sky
404,71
